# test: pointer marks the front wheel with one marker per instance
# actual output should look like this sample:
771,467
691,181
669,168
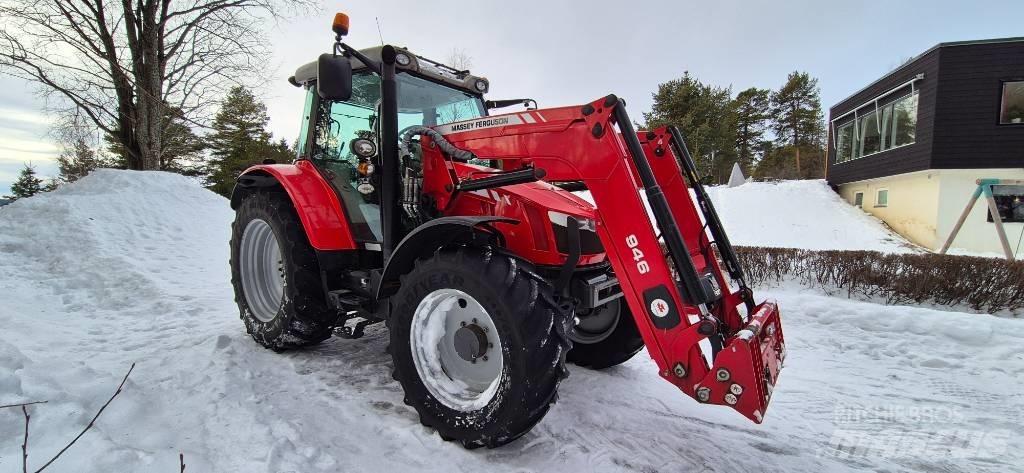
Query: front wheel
478,346
605,336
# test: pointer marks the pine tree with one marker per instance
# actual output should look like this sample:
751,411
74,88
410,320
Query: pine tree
76,162
706,118
27,184
239,140
752,109
797,116
281,152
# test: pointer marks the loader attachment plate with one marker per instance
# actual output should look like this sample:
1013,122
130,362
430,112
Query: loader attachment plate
745,371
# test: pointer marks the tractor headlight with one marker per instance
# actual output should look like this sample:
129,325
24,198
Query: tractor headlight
590,243
562,220
480,85
403,59
363,147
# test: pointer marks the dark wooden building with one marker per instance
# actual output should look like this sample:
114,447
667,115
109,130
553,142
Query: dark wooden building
909,146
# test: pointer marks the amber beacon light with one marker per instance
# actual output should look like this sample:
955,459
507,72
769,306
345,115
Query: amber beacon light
340,25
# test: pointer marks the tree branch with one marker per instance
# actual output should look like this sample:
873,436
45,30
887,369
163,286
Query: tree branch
24,404
87,427
24,444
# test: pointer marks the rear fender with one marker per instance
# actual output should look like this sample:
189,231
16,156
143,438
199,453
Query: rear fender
319,209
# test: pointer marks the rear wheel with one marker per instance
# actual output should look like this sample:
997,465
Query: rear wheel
276,276
605,336
478,346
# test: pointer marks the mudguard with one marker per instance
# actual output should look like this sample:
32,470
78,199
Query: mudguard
322,215
424,240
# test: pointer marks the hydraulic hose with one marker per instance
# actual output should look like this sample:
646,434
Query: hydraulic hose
445,145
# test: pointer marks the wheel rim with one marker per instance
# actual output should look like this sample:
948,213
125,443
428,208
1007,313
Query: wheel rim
262,270
596,324
456,349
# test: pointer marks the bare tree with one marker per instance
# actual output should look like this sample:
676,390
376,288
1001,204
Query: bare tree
459,59
124,66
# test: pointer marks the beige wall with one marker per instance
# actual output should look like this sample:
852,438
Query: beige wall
923,207
913,204
978,235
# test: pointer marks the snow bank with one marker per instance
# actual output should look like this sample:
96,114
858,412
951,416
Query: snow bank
126,267
800,214
796,214
95,237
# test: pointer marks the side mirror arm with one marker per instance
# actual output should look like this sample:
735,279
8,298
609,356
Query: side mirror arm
492,104
370,63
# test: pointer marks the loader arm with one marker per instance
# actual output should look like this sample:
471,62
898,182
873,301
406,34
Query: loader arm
678,295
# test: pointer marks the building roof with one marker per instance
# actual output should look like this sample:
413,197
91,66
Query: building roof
1016,39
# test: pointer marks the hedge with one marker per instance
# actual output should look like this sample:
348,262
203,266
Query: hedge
987,284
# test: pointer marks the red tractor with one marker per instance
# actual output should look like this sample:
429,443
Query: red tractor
411,204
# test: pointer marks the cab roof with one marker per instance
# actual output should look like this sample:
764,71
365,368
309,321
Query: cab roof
420,65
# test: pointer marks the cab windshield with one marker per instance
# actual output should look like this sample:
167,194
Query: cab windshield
336,124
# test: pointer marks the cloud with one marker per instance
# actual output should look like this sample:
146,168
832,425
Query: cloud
21,149
22,115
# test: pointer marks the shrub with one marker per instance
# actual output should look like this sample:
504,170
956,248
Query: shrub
980,283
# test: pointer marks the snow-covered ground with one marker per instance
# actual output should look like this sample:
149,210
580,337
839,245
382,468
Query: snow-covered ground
129,267
800,214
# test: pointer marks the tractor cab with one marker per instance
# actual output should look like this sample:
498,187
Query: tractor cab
342,137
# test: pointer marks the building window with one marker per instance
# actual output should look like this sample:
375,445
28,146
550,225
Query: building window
844,145
1010,202
858,199
881,128
870,139
1011,111
904,121
882,198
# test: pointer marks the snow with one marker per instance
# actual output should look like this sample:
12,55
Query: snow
800,214
126,267
796,214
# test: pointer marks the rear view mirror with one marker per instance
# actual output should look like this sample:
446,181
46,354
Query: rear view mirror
334,77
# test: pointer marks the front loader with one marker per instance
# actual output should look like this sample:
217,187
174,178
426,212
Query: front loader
495,247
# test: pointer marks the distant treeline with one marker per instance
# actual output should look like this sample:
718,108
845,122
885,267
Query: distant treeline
772,134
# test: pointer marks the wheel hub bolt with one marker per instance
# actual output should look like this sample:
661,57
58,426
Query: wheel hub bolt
722,374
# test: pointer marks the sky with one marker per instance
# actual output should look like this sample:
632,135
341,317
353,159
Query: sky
564,53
